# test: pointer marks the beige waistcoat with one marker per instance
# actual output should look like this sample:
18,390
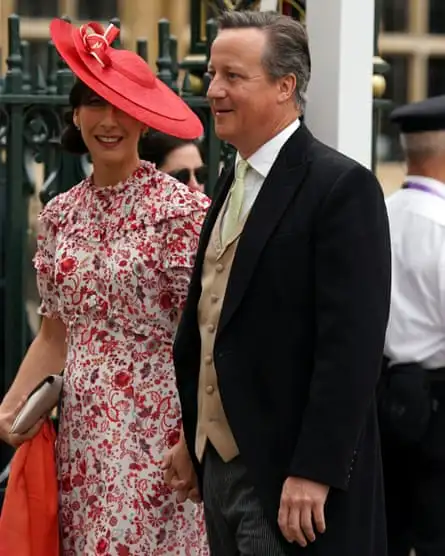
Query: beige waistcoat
212,422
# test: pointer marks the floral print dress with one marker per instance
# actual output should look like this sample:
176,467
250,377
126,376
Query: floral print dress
114,264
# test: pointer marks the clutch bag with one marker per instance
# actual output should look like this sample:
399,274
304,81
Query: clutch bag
40,401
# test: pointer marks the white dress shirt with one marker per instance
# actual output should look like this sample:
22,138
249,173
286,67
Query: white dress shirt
416,329
260,164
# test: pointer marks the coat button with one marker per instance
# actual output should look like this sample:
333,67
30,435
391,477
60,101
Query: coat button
219,267
210,389
211,328
214,298
208,359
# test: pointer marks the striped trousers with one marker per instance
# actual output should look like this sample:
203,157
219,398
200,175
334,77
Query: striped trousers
236,524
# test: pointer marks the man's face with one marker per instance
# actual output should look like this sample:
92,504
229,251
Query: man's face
245,101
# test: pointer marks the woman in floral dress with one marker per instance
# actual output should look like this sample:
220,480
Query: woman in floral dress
113,263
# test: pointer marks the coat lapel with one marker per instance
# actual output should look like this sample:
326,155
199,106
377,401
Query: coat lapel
281,185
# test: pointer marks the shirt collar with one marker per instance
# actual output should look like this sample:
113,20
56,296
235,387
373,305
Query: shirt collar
433,184
263,159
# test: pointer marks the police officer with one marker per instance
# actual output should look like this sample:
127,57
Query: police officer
412,390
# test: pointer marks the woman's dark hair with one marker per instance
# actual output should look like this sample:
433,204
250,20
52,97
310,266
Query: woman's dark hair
71,139
155,146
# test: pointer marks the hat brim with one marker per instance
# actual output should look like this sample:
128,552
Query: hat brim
128,84
422,116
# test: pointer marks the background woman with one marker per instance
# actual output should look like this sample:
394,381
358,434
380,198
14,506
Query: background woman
180,158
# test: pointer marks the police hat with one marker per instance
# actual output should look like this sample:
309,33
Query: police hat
426,115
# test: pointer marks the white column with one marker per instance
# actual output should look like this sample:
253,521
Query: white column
339,108
266,5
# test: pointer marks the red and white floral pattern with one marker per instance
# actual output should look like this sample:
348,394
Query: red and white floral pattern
114,264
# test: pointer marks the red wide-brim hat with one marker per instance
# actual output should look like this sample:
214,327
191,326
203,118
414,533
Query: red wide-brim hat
123,78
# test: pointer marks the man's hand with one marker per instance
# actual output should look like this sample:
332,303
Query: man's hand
301,506
180,474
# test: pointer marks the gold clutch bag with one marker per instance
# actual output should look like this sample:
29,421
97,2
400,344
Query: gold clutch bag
39,403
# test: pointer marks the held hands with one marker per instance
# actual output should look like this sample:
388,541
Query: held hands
7,418
301,507
179,473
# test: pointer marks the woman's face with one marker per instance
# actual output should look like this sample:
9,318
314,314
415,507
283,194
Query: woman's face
110,135
186,165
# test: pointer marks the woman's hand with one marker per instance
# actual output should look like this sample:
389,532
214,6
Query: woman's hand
179,473
7,418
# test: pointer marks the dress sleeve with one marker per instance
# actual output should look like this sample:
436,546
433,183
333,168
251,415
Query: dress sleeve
183,227
44,264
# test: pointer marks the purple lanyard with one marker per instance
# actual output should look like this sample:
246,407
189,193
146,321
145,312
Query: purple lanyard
422,187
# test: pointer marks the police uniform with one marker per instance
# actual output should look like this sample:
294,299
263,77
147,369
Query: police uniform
412,390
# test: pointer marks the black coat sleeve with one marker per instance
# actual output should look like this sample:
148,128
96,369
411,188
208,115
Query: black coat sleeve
353,275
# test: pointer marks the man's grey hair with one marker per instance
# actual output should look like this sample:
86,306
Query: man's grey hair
287,51
424,144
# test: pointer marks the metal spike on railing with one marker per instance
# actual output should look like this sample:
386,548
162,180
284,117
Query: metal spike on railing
64,76
211,32
26,65
117,43
40,82
206,79
187,89
174,63
164,61
142,48
51,72
14,74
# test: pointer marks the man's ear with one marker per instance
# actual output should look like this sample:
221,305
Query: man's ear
287,86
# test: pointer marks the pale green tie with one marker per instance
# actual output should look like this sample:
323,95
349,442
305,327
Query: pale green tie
235,204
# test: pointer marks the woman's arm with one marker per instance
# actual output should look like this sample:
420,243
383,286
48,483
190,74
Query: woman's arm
46,355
